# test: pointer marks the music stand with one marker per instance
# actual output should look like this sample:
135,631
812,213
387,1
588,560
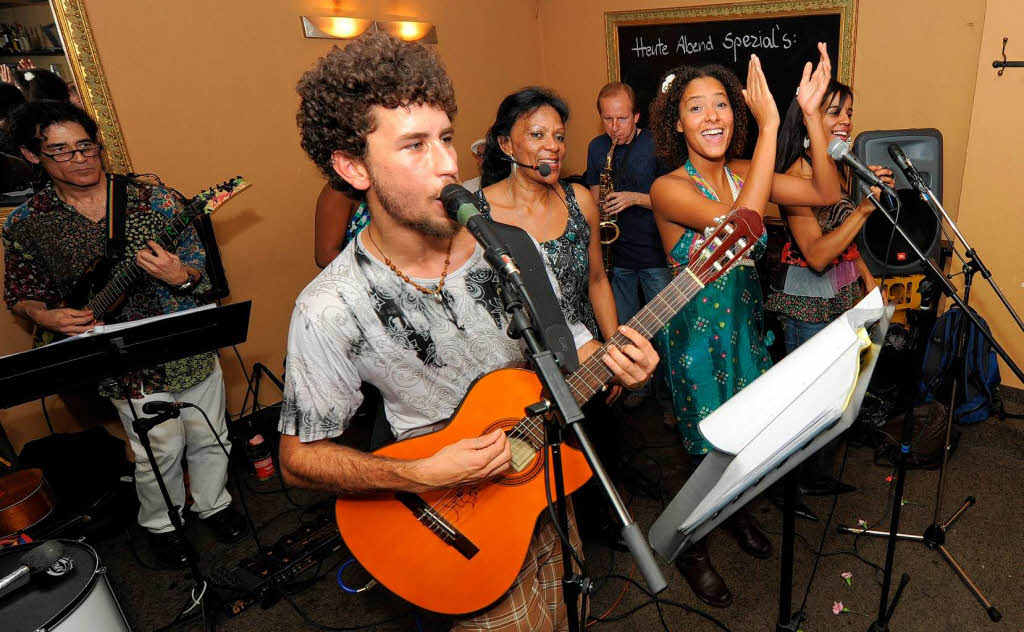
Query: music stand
116,349
112,350
789,413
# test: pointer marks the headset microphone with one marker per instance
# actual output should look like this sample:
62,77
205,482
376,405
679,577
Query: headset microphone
543,169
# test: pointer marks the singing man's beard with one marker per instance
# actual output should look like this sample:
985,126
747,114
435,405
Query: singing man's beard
438,228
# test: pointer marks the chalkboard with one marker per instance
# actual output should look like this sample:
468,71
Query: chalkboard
643,45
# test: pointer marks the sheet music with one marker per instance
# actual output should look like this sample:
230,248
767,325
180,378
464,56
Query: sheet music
106,329
787,407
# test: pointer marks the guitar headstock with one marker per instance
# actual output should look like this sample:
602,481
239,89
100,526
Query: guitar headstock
215,196
732,238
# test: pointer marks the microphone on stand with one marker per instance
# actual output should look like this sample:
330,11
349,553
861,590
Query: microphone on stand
840,152
171,408
463,207
543,169
913,175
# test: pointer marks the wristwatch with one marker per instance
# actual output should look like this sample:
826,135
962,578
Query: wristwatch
189,282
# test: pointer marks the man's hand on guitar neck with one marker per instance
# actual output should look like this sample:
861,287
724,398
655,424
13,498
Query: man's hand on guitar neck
162,265
63,320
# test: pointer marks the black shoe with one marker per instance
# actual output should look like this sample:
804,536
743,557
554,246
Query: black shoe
742,526
228,525
800,510
170,550
705,582
825,486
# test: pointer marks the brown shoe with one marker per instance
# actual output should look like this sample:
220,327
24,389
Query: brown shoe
704,580
742,526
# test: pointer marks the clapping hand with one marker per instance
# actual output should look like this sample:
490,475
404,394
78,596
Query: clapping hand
813,86
758,97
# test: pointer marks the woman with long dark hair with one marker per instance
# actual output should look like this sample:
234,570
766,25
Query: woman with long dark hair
530,129
716,343
824,274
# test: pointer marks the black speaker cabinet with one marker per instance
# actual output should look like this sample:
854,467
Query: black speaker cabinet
924,149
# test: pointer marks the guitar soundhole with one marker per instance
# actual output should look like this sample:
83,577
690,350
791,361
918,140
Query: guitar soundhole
525,453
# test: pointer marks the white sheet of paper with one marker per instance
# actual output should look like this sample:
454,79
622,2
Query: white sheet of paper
787,406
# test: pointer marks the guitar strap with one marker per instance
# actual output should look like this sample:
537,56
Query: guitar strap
117,202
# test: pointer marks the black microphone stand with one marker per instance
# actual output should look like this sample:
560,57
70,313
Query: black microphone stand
934,536
561,410
200,592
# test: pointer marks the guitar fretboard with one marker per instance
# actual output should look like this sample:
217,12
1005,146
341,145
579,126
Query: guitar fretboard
126,273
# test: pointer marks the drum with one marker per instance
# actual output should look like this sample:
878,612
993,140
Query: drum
79,600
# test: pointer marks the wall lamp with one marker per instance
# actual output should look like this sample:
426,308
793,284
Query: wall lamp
350,28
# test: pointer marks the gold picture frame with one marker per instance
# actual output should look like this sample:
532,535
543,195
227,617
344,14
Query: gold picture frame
846,9
84,59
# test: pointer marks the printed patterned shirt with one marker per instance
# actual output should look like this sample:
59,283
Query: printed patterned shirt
48,246
359,322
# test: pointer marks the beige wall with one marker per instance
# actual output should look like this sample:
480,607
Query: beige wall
990,206
914,66
206,90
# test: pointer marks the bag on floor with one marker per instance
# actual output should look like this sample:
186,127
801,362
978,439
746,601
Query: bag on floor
978,399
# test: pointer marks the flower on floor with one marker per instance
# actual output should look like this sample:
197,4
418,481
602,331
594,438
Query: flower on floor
839,608
863,524
848,577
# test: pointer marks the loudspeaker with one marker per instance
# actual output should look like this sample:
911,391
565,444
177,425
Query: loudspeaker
924,148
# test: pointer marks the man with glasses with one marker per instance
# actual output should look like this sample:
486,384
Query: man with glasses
49,243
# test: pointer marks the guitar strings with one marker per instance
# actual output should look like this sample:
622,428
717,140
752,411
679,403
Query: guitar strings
688,288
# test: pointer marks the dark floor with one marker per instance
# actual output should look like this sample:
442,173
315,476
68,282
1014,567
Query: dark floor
986,541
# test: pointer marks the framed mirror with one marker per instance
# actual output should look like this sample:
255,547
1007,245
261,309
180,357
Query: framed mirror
55,35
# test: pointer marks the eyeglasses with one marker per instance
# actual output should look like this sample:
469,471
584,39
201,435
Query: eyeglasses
90,151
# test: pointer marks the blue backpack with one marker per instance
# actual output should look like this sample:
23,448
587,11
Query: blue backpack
978,399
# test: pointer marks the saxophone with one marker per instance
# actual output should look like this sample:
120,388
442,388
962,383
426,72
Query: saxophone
609,227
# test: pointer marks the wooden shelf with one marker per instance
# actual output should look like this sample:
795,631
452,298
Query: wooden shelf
42,52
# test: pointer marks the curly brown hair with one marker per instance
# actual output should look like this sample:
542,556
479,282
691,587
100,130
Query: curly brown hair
664,113
338,95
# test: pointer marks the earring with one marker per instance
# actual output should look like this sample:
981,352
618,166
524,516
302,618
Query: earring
807,142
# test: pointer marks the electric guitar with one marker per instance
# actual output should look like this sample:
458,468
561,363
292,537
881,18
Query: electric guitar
458,550
105,282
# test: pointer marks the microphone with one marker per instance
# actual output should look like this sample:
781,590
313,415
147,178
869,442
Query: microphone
35,561
908,169
543,169
840,152
157,408
462,206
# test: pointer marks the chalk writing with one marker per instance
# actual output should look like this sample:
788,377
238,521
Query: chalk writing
774,39
653,50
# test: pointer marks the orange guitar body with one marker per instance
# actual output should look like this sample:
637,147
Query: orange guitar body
497,518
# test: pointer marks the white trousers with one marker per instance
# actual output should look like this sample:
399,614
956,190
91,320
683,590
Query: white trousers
188,434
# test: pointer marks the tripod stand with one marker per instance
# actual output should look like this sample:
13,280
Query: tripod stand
934,536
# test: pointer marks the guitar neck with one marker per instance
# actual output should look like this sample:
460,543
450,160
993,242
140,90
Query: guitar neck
128,272
592,374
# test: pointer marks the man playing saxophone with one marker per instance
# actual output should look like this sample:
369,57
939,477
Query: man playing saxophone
621,166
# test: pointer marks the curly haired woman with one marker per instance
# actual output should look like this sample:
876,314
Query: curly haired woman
715,344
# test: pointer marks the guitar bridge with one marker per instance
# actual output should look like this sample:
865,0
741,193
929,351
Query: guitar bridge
432,520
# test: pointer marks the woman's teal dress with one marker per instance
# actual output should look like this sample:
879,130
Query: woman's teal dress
716,344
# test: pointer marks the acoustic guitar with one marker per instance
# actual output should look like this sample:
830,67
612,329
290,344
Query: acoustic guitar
458,550
25,500
105,283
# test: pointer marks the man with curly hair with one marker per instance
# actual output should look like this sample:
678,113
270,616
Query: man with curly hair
409,306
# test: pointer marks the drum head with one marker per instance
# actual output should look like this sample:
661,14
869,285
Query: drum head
46,599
